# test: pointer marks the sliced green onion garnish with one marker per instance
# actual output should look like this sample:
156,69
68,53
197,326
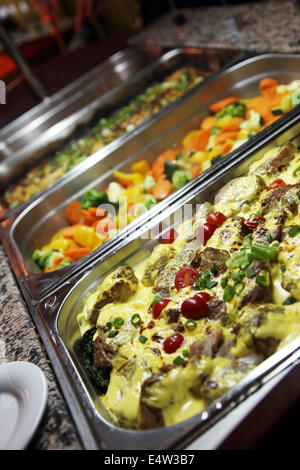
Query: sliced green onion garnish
136,320
296,171
211,284
229,293
261,280
178,361
185,353
108,325
294,231
118,322
282,268
143,339
250,272
112,333
156,299
269,238
190,324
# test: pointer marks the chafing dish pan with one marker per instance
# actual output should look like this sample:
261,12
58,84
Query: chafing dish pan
55,317
74,112
37,222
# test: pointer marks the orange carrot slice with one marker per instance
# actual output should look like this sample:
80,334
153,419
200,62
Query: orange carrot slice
219,105
77,254
73,212
162,189
209,122
267,83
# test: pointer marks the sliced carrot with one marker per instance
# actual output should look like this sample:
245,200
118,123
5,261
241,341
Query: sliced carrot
226,147
73,212
233,125
200,141
196,169
104,226
219,105
162,189
266,83
209,122
223,136
68,232
77,254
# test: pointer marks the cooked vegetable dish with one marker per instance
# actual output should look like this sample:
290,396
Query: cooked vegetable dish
104,132
218,295
231,123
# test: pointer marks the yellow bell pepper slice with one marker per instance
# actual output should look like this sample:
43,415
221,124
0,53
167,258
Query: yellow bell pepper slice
141,167
58,244
86,236
199,157
128,177
190,136
134,194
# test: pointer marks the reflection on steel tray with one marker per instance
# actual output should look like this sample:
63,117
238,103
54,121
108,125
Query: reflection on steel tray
32,228
59,311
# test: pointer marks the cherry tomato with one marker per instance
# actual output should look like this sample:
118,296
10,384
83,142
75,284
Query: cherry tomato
186,277
204,295
172,343
205,231
194,308
159,306
253,222
276,184
170,237
216,218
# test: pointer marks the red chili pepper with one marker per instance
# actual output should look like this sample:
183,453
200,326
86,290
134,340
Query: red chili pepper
159,306
253,222
276,184
172,343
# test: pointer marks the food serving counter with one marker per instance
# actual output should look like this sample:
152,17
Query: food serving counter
56,319
54,299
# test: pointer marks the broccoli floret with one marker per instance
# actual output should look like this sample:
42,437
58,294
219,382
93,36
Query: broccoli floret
149,201
180,178
43,258
84,349
234,110
93,198
66,262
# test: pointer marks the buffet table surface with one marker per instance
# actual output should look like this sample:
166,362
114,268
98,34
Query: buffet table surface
258,27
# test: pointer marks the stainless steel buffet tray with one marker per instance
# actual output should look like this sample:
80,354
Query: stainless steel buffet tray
22,233
73,111
55,318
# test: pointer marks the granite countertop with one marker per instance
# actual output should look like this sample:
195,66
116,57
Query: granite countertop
262,26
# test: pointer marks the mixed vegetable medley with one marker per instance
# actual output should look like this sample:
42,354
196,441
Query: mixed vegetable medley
143,106
100,214
163,339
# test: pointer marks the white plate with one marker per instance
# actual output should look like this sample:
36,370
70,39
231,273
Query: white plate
23,397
